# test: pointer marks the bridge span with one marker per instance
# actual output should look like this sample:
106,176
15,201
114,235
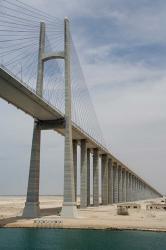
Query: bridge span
122,183
118,182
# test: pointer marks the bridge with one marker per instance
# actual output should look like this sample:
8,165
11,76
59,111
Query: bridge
40,74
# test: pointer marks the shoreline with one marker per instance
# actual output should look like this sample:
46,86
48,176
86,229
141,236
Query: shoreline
88,228
91,218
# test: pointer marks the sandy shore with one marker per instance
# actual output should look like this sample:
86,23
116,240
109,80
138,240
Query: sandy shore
103,217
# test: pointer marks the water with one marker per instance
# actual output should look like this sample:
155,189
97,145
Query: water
60,239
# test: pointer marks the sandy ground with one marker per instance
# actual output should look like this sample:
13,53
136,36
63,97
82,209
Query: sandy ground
103,217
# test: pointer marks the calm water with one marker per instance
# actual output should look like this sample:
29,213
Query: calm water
20,239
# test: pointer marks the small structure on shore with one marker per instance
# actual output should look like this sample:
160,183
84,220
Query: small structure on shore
130,205
157,207
122,210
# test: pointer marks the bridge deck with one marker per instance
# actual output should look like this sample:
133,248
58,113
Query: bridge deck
23,97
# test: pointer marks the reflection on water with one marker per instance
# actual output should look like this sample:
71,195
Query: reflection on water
60,239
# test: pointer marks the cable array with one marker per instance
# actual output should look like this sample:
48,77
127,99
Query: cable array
54,86
84,114
19,45
19,38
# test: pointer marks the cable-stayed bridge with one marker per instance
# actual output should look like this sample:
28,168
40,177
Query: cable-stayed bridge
40,73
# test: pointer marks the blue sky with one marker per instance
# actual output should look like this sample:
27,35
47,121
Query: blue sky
121,45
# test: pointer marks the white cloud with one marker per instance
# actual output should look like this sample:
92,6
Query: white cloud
131,110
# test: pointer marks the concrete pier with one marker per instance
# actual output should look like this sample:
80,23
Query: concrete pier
137,192
133,188
104,178
115,183
110,182
96,177
127,186
130,188
88,177
75,143
83,175
119,184
32,209
124,185
69,204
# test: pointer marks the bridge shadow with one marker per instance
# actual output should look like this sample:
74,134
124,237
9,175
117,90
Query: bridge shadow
43,212
50,211
5,221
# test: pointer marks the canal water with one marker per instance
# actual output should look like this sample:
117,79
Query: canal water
60,239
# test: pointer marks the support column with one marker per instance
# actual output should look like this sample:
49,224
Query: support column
75,143
141,186
88,177
96,177
139,190
69,205
136,189
145,191
138,196
115,183
133,188
127,186
110,182
104,170
130,187
123,185
119,184
32,209
83,191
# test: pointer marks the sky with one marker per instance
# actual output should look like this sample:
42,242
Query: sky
121,46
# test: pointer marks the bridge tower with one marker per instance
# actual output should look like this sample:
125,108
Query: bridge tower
32,207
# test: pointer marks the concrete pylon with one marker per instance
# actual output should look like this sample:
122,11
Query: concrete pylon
141,192
130,187
141,195
88,177
133,188
123,185
83,175
136,188
32,209
110,182
115,183
135,192
119,184
127,186
139,187
75,143
104,184
69,205
96,177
